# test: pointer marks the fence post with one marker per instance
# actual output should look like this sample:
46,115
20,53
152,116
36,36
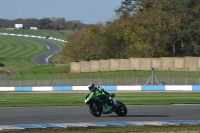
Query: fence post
99,77
81,78
73,80
187,76
21,78
35,78
134,76
169,76
50,78
66,78
152,73
117,77
8,72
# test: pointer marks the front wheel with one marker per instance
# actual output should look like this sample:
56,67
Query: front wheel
95,110
121,109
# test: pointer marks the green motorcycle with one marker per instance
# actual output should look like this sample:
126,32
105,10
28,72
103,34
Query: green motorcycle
99,104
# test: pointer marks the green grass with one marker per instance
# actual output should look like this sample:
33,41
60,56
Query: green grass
107,75
16,52
20,48
43,33
77,99
46,69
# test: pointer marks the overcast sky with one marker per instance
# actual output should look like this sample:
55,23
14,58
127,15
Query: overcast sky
87,11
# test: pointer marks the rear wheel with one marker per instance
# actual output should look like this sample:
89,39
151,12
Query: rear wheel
121,109
95,110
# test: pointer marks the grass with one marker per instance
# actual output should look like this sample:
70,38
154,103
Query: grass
46,69
19,47
16,53
107,75
76,99
43,33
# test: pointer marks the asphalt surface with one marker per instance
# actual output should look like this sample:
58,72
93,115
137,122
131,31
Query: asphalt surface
75,114
42,58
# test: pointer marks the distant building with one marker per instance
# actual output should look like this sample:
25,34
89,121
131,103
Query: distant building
19,26
33,28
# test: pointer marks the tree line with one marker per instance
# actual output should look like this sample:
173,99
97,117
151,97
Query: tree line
143,28
44,23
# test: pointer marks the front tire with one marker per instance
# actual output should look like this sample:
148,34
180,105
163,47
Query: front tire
121,109
95,110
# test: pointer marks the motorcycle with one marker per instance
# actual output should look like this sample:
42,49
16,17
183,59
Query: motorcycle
96,103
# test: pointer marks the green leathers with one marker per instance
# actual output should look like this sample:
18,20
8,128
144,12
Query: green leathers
99,92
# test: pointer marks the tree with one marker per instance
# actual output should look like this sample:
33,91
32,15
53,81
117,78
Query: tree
113,40
84,44
126,9
165,26
44,23
74,49
190,34
93,42
145,28
148,28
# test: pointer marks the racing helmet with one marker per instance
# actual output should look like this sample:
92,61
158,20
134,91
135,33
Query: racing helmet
92,87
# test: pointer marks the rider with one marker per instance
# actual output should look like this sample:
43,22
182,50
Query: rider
100,91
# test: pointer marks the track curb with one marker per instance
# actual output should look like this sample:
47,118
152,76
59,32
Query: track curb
99,124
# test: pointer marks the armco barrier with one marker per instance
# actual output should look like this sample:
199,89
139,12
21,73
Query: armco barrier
22,35
194,88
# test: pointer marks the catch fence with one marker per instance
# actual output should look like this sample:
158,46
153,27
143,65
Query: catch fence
134,77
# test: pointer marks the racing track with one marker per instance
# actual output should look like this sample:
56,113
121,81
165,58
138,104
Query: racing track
77,114
42,58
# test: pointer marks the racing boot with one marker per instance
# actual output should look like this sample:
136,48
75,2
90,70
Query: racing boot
105,108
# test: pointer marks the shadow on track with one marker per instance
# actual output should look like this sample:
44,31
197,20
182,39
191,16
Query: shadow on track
141,116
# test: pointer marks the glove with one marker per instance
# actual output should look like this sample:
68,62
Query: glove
86,100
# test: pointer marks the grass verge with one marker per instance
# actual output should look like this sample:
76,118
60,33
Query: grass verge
77,99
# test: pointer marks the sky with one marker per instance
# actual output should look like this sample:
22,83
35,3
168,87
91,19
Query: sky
87,11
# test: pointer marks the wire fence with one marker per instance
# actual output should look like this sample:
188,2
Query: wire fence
134,77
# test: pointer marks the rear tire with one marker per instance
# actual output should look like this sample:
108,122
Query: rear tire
95,111
121,110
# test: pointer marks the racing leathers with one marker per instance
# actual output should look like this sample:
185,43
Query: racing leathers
100,92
